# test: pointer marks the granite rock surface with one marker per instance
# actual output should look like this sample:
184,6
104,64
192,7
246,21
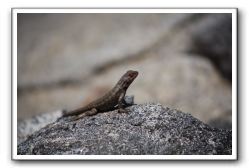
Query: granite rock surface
148,129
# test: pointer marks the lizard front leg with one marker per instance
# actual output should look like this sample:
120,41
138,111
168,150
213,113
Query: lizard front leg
120,103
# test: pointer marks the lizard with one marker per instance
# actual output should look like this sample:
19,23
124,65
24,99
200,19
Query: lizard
114,99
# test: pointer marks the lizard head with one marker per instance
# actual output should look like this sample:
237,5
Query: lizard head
127,79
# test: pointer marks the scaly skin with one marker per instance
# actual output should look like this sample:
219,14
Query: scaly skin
109,101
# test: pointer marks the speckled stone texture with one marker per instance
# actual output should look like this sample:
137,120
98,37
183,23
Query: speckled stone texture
148,129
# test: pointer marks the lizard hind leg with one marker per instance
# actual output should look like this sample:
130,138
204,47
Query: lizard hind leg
87,113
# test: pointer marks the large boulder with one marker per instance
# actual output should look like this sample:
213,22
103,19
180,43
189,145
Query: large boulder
145,129
213,39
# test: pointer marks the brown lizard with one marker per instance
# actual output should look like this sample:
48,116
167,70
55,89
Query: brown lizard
111,100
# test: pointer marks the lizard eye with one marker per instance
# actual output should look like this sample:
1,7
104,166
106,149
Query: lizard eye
131,75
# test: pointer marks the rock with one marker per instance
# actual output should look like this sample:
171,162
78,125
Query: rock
146,129
56,49
29,126
213,39
224,121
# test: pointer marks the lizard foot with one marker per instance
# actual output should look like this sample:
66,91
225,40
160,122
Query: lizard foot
121,110
87,113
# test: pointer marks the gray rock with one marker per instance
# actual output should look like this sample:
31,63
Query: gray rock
146,129
213,39
65,48
29,126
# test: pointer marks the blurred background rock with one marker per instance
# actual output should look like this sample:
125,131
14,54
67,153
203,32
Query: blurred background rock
184,61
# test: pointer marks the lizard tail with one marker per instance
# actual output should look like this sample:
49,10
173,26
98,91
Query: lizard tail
73,112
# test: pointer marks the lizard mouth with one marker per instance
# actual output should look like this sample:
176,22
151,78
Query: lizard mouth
135,74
